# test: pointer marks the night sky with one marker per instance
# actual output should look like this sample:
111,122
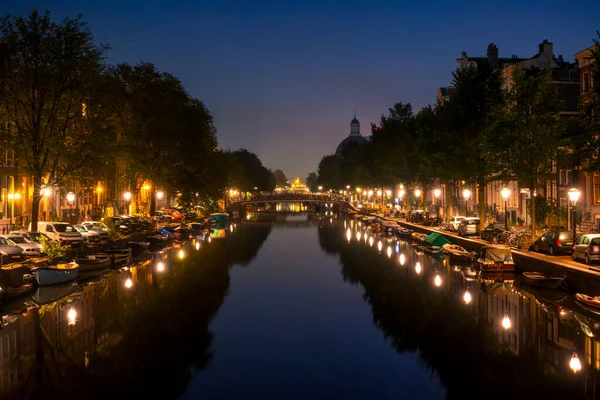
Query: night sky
282,78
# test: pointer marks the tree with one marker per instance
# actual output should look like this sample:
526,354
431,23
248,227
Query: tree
312,181
280,178
526,132
47,76
465,116
247,172
330,172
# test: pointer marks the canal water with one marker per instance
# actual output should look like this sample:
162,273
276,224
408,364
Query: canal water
297,307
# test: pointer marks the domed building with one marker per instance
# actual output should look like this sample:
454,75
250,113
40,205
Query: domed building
353,140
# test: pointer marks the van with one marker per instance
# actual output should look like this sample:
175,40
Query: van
62,232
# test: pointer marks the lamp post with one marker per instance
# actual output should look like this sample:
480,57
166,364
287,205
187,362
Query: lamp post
437,193
70,199
574,197
418,196
466,195
401,195
12,197
505,193
127,197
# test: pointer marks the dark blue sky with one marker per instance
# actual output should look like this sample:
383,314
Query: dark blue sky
282,78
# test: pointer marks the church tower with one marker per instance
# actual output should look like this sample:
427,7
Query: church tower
354,126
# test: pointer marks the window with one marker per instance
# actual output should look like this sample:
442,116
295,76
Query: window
562,177
553,166
569,177
554,190
584,82
548,190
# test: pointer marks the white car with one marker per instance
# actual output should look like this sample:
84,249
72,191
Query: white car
30,249
454,222
90,237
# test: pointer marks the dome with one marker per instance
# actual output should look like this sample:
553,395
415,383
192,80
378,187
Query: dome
349,143
354,121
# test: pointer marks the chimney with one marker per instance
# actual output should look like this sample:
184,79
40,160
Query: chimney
492,55
463,55
546,47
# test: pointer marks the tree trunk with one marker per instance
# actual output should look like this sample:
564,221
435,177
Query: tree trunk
532,200
481,201
35,204
152,201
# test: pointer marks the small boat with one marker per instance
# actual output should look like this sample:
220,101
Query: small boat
10,293
590,301
119,255
496,259
434,242
418,237
458,253
138,248
94,262
158,242
54,274
538,279
403,232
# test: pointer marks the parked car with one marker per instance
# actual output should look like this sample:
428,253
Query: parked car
454,222
30,248
95,226
469,226
89,237
132,222
587,248
37,237
492,231
10,251
416,216
121,225
554,241
61,232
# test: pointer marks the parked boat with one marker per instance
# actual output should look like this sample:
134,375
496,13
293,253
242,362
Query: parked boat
54,274
538,279
418,237
496,259
94,262
434,242
158,242
590,301
458,253
404,233
10,293
119,255
138,248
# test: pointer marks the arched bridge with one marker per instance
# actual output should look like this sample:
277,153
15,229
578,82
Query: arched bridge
310,202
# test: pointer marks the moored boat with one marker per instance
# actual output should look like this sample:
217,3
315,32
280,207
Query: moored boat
496,259
538,279
418,237
94,262
458,253
119,255
10,293
54,274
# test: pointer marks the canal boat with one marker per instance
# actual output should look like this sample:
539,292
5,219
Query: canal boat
541,280
417,237
433,242
119,255
94,262
10,293
458,254
55,274
496,259
219,217
592,302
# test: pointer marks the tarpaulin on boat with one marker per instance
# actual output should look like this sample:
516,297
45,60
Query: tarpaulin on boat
435,239
498,254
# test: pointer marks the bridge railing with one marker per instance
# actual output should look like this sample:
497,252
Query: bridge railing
299,197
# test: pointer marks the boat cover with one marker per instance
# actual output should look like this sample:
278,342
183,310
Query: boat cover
498,254
436,239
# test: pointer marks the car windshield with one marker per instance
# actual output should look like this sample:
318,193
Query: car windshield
6,242
18,239
80,229
64,228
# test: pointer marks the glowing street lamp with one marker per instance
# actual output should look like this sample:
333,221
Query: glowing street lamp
12,197
574,197
127,197
159,195
320,188
71,200
466,195
437,193
505,194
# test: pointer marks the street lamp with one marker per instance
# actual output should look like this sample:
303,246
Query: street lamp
574,197
418,196
70,199
437,193
401,195
320,188
466,195
127,197
505,193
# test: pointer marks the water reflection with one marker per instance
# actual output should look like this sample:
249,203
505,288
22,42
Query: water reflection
481,335
126,329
